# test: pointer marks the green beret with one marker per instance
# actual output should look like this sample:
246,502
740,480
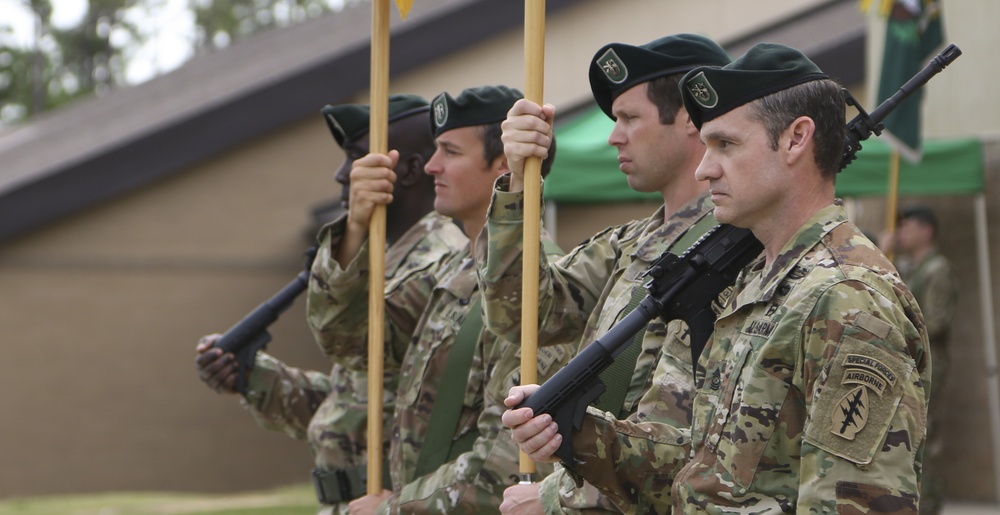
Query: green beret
765,69
348,122
617,67
473,106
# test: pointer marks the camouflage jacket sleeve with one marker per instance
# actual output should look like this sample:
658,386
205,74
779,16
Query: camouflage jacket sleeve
338,431
847,355
569,287
475,481
628,461
560,495
283,398
337,302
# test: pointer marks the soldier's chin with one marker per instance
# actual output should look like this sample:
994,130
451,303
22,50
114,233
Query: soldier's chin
724,216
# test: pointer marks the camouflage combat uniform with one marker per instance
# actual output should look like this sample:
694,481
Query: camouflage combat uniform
597,278
298,402
932,282
811,394
474,482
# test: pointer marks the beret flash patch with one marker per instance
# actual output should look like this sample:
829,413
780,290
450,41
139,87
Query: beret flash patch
440,111
612,66
702,91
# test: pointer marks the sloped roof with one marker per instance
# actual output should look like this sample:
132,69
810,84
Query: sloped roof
99,148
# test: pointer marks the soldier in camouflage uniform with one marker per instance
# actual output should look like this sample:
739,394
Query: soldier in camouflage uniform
478,461
587,292
931,278
329,409
812,393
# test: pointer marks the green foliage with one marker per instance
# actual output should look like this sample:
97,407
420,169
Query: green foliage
61,65
221,22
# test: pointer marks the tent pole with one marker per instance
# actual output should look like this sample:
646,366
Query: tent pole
989,335
550,218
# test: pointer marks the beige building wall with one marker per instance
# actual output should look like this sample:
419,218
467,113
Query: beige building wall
101,311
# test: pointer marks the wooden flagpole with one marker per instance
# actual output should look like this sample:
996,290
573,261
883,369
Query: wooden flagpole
534,75
378,143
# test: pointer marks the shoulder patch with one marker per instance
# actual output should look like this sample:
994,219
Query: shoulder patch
851,414
856,400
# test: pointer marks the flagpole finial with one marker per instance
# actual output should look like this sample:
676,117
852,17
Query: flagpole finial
404,7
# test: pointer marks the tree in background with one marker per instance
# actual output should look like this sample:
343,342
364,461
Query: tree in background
221,22
62,64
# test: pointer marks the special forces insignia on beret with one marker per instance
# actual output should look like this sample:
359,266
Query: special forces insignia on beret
612,66
440,110
702,91
851,413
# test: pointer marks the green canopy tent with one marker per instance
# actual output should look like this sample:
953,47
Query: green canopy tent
586,171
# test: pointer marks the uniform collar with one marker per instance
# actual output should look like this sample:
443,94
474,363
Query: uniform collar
791,261
651,248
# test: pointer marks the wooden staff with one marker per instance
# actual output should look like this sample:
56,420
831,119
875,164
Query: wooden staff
378,130
534,74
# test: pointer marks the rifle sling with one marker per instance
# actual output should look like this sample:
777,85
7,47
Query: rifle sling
618,376
439,447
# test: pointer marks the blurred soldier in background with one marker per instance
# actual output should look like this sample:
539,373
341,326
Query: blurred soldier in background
931,278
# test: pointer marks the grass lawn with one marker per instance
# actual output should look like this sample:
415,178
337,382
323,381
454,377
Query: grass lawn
294,500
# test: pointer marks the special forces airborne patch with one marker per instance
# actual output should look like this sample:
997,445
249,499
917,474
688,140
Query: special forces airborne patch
854,408
867,373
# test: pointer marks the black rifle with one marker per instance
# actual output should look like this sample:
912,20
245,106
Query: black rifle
250,334
862,126
681,287
684,287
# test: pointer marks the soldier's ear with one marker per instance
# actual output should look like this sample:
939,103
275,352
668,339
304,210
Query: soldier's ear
684,119
500,165
411,169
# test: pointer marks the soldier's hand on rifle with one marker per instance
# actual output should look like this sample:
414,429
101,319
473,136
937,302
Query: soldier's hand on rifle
538,437
527,132
216,369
